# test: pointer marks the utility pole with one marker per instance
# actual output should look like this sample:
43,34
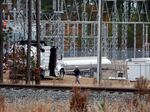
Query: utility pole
99,68
28,76
37,77
1,43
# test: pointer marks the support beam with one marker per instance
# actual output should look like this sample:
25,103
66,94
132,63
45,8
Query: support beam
143,42
99,68
146,41
134,40
95,22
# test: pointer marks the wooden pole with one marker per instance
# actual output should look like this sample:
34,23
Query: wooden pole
1,43
29,41
37,78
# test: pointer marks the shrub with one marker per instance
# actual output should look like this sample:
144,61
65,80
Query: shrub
142,84
79,100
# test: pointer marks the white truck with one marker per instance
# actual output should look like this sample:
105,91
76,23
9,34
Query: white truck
21,47
64,65
67,64
45,60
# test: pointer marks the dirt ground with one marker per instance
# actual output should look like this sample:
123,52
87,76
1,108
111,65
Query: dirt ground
70,80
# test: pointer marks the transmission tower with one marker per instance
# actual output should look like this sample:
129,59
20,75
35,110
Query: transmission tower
124,30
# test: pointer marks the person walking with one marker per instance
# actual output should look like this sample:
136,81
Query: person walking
77,74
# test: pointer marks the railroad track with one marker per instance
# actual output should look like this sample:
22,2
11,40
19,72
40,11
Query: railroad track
67,87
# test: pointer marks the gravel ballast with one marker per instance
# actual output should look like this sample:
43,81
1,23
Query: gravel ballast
13,95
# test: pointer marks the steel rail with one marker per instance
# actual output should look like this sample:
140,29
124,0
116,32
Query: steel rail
70,87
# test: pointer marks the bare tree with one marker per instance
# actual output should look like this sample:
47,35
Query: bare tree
28,75
37,77
1,44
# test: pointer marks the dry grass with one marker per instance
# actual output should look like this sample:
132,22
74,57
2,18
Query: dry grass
142,84
36,106
2,104
28,107
79,100
131,105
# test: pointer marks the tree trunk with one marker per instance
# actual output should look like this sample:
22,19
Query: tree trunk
37,77
1,44
29,41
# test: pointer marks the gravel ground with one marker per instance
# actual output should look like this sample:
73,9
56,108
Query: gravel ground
13,95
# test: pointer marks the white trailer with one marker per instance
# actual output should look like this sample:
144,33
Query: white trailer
137,67
84,63
67,64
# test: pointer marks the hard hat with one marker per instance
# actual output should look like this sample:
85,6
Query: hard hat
76,66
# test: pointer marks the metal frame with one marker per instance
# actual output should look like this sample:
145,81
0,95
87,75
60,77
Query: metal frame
86,26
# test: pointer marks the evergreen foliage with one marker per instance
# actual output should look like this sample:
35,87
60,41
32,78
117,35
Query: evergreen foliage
47,5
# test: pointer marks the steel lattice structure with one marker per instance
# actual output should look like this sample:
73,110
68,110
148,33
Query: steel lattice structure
73,27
